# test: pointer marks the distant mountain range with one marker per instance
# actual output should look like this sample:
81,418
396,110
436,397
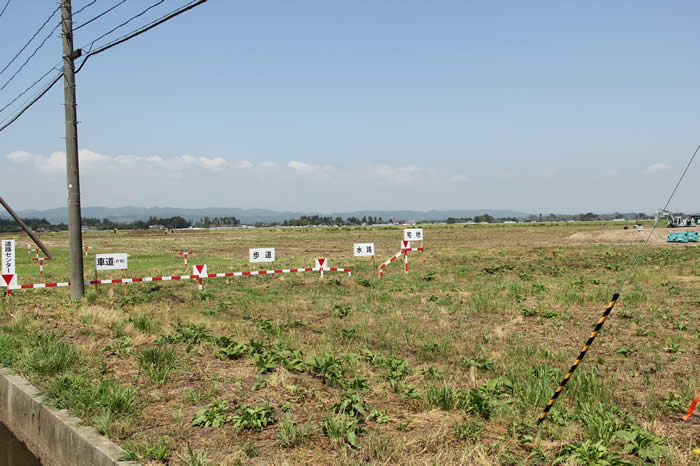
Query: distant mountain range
252,216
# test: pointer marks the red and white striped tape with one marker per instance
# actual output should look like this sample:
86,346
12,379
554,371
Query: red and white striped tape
396,256
185,277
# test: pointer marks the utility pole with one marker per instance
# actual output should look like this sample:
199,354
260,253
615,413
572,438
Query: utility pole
75,235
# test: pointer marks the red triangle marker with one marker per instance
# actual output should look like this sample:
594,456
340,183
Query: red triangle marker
199,268
405,244
8,278
321,261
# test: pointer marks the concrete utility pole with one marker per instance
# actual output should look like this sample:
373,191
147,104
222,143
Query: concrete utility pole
75,235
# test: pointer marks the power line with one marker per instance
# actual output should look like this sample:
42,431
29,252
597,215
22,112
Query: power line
30,56
99,16
30,40
4,8
115,42
19,96
141,30
86,6
125,23
32,102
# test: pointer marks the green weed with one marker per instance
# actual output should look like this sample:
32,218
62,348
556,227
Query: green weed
158,362
213,415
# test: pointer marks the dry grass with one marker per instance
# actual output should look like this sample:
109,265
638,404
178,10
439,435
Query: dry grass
522,297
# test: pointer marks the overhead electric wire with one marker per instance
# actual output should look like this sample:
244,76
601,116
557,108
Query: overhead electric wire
140,30
99,16
6,123
30,57
4,8
86,6
30,40
33,101
19,96
125,23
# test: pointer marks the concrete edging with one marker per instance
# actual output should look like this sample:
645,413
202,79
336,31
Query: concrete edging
52,435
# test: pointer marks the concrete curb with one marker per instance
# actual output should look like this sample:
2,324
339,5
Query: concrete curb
52,435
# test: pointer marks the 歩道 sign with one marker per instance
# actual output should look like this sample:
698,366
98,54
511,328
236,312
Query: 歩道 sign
111,261
262,255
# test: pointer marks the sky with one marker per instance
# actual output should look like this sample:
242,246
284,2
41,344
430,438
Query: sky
535,106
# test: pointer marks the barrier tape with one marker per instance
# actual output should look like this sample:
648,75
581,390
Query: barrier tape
396,256
185,277
581,355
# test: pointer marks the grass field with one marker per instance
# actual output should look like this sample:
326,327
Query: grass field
450,365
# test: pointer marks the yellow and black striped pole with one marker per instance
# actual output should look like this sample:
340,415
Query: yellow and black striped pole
581,355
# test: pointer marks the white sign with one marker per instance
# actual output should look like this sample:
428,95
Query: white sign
322,263
413,234
111,261
364,249
262,255
8,277
201,270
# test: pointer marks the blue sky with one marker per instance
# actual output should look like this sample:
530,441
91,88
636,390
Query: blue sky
327,106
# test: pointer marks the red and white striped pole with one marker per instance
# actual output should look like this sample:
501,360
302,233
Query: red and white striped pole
37,252
405,261
41,263
185,254
29,248
86,250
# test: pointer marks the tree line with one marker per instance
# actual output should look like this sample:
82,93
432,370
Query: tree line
310,220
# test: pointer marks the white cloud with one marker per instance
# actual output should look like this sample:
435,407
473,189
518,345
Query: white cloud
208,163
302,168
195,180
657,167
243,164
20,156
401,175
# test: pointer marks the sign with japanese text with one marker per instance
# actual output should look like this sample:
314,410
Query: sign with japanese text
262,255
8,277
364,249
413,234
111,261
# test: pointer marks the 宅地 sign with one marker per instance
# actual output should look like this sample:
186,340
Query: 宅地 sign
111,261
262,255
364,249
8,277
413,234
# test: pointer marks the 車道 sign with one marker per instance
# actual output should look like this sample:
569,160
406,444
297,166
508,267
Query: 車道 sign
262,254
364,249
413,234
8,277
111,261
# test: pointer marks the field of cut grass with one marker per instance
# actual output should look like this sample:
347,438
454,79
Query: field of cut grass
449,365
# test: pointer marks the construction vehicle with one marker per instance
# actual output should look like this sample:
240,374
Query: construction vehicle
677,220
